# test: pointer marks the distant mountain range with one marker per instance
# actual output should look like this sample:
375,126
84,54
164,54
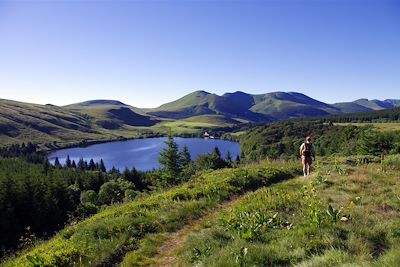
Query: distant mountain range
111,119
262,107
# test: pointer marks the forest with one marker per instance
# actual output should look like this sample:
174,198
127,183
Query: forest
282,140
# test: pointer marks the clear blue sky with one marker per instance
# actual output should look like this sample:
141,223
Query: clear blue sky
146,53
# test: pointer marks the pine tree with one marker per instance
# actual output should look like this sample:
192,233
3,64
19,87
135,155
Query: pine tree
237,159
169,158
92,165
68,162
217,152
73,164
46,166
81,164
228,159
217,161
185,156
102,167
57,163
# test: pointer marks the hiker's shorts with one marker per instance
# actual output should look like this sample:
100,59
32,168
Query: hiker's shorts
306,160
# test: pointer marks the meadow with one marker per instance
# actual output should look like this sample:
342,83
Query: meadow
342,215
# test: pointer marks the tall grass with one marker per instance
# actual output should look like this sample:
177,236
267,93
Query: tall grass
348,218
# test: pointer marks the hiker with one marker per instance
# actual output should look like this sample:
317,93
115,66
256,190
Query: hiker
307,153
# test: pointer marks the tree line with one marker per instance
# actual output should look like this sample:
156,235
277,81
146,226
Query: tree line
283,139
386,115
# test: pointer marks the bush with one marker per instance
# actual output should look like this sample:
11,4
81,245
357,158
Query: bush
391,162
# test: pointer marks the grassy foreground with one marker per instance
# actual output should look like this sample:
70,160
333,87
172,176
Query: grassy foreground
105,238
342,216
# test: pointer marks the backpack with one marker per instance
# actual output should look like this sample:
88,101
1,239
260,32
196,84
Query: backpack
307,150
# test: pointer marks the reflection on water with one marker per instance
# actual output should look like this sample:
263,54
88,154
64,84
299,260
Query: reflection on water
141,153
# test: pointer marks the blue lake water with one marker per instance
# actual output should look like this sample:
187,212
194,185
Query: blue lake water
142,153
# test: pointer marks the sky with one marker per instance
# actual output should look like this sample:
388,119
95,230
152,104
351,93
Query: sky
146,53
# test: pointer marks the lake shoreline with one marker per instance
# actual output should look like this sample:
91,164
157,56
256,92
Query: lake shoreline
141,153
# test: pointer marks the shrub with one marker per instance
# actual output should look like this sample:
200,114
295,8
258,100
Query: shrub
391,162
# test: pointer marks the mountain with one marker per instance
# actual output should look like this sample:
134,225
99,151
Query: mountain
365,105
240,105
235,105
394,102
281,105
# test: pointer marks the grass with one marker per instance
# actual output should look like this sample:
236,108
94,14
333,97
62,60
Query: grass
193,125
381,126
106,237
290,223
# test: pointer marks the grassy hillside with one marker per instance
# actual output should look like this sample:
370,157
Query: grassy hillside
25,122
373,104
341,216
196,124
281,105
105,238
351,107
61,126
112,117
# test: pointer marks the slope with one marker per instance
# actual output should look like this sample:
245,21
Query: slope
59,126
107,236
341,216
281,105
111,114
27,122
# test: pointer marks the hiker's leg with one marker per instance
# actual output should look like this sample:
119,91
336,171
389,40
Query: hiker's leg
309,165
303,161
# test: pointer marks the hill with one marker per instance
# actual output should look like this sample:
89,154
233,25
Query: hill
365,105
334,218
45,124
111,114
25,122
91,103
281,105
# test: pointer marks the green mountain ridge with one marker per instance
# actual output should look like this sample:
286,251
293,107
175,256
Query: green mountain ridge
111,119
263,107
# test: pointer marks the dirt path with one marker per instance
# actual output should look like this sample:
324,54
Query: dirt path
167,253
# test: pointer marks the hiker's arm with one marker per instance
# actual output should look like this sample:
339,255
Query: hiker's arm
301,149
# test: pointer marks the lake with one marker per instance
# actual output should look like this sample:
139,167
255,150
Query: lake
141,153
